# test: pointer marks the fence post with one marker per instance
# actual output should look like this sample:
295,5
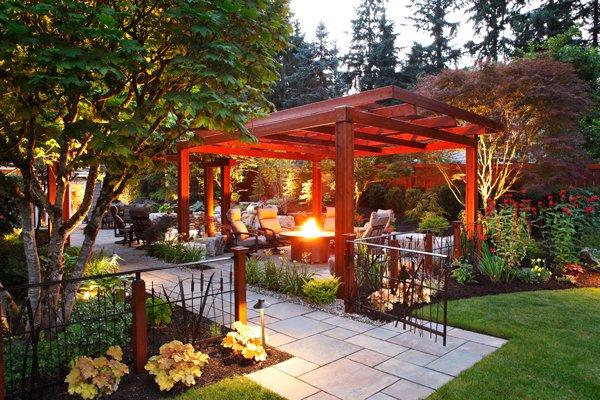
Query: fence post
349,275
457,254
394,259
428,246
140,323
239,282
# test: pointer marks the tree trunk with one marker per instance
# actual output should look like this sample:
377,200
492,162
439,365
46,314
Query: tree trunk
34,273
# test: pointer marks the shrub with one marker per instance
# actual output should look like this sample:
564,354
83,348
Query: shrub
14,267
448,201
395,200
428,202
510,234
158,311
463,272
537,273
98,377
433,222
321,290
166,208
176,362
411,197
245,340
175,252
374,196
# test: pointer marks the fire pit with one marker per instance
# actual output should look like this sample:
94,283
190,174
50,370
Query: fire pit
310,244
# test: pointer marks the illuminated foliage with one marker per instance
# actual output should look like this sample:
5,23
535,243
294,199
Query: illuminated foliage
176,362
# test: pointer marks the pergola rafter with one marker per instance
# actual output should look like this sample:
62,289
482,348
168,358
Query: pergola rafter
378,122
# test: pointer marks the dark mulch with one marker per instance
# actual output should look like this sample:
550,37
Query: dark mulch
222,364
485,287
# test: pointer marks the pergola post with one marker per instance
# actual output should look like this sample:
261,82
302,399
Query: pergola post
183,193
344,190
471,190
317,190
226,192
209,201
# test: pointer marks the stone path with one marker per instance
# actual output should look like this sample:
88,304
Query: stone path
336,357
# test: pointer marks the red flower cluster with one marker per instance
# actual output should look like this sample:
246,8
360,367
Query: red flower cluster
567,211
574,269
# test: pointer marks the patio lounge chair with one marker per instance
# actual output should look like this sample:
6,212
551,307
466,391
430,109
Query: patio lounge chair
270,227
377,226
389,218
140,221
121,228
240,235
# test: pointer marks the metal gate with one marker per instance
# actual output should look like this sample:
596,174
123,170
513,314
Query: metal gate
403,278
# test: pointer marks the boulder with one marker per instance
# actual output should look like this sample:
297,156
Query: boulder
590,256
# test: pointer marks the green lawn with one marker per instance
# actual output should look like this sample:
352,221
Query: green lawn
553,350
236,388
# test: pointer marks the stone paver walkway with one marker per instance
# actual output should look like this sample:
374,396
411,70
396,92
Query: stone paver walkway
336,357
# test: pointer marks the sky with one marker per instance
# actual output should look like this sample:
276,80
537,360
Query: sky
338,14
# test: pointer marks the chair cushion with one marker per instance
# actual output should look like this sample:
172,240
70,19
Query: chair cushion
251,241
268,219
234,214
239,228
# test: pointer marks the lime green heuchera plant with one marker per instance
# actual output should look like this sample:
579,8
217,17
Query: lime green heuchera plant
93,378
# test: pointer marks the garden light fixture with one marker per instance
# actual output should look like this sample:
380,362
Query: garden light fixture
260,305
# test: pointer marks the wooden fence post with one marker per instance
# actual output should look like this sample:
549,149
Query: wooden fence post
457,253
349,276
394,259
239,282
140,323
428,246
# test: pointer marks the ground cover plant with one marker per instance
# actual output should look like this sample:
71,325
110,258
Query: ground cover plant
288,277
176,252
236,388
553,342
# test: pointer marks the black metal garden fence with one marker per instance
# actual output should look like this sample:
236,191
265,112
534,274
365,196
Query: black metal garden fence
402,278
136,310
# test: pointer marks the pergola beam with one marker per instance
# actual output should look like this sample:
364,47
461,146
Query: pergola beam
443,108
250,152
374,138
321,142
367,118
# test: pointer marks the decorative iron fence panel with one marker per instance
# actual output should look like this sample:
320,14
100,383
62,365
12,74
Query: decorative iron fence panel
399,278
39,340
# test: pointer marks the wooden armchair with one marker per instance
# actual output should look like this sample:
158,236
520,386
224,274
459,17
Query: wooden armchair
120,227
140,222
240,235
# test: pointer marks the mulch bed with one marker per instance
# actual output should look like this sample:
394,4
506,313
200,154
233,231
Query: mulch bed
222,364
485,287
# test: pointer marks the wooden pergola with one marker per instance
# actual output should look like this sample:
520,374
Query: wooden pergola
378,122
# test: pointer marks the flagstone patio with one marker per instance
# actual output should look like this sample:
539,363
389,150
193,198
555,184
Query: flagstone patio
336,357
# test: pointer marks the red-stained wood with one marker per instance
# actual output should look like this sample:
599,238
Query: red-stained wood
242,151
239,283
471,190
363,117
209,201
443,108
317,191
226,193
183,193
457,253
320,142
344,195
443,121
372,137
140,324
349,281
399,110
2,384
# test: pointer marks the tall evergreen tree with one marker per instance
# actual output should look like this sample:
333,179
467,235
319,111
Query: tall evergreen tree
417,64
589,14
327,63
431,16
551,18
298,81
489,18
371,60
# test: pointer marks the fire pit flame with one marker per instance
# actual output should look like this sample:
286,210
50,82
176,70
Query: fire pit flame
310,228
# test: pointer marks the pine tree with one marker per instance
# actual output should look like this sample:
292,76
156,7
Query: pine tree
431,15
371,60
589,15
417,64
327,63
298,82
551,18
489,18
